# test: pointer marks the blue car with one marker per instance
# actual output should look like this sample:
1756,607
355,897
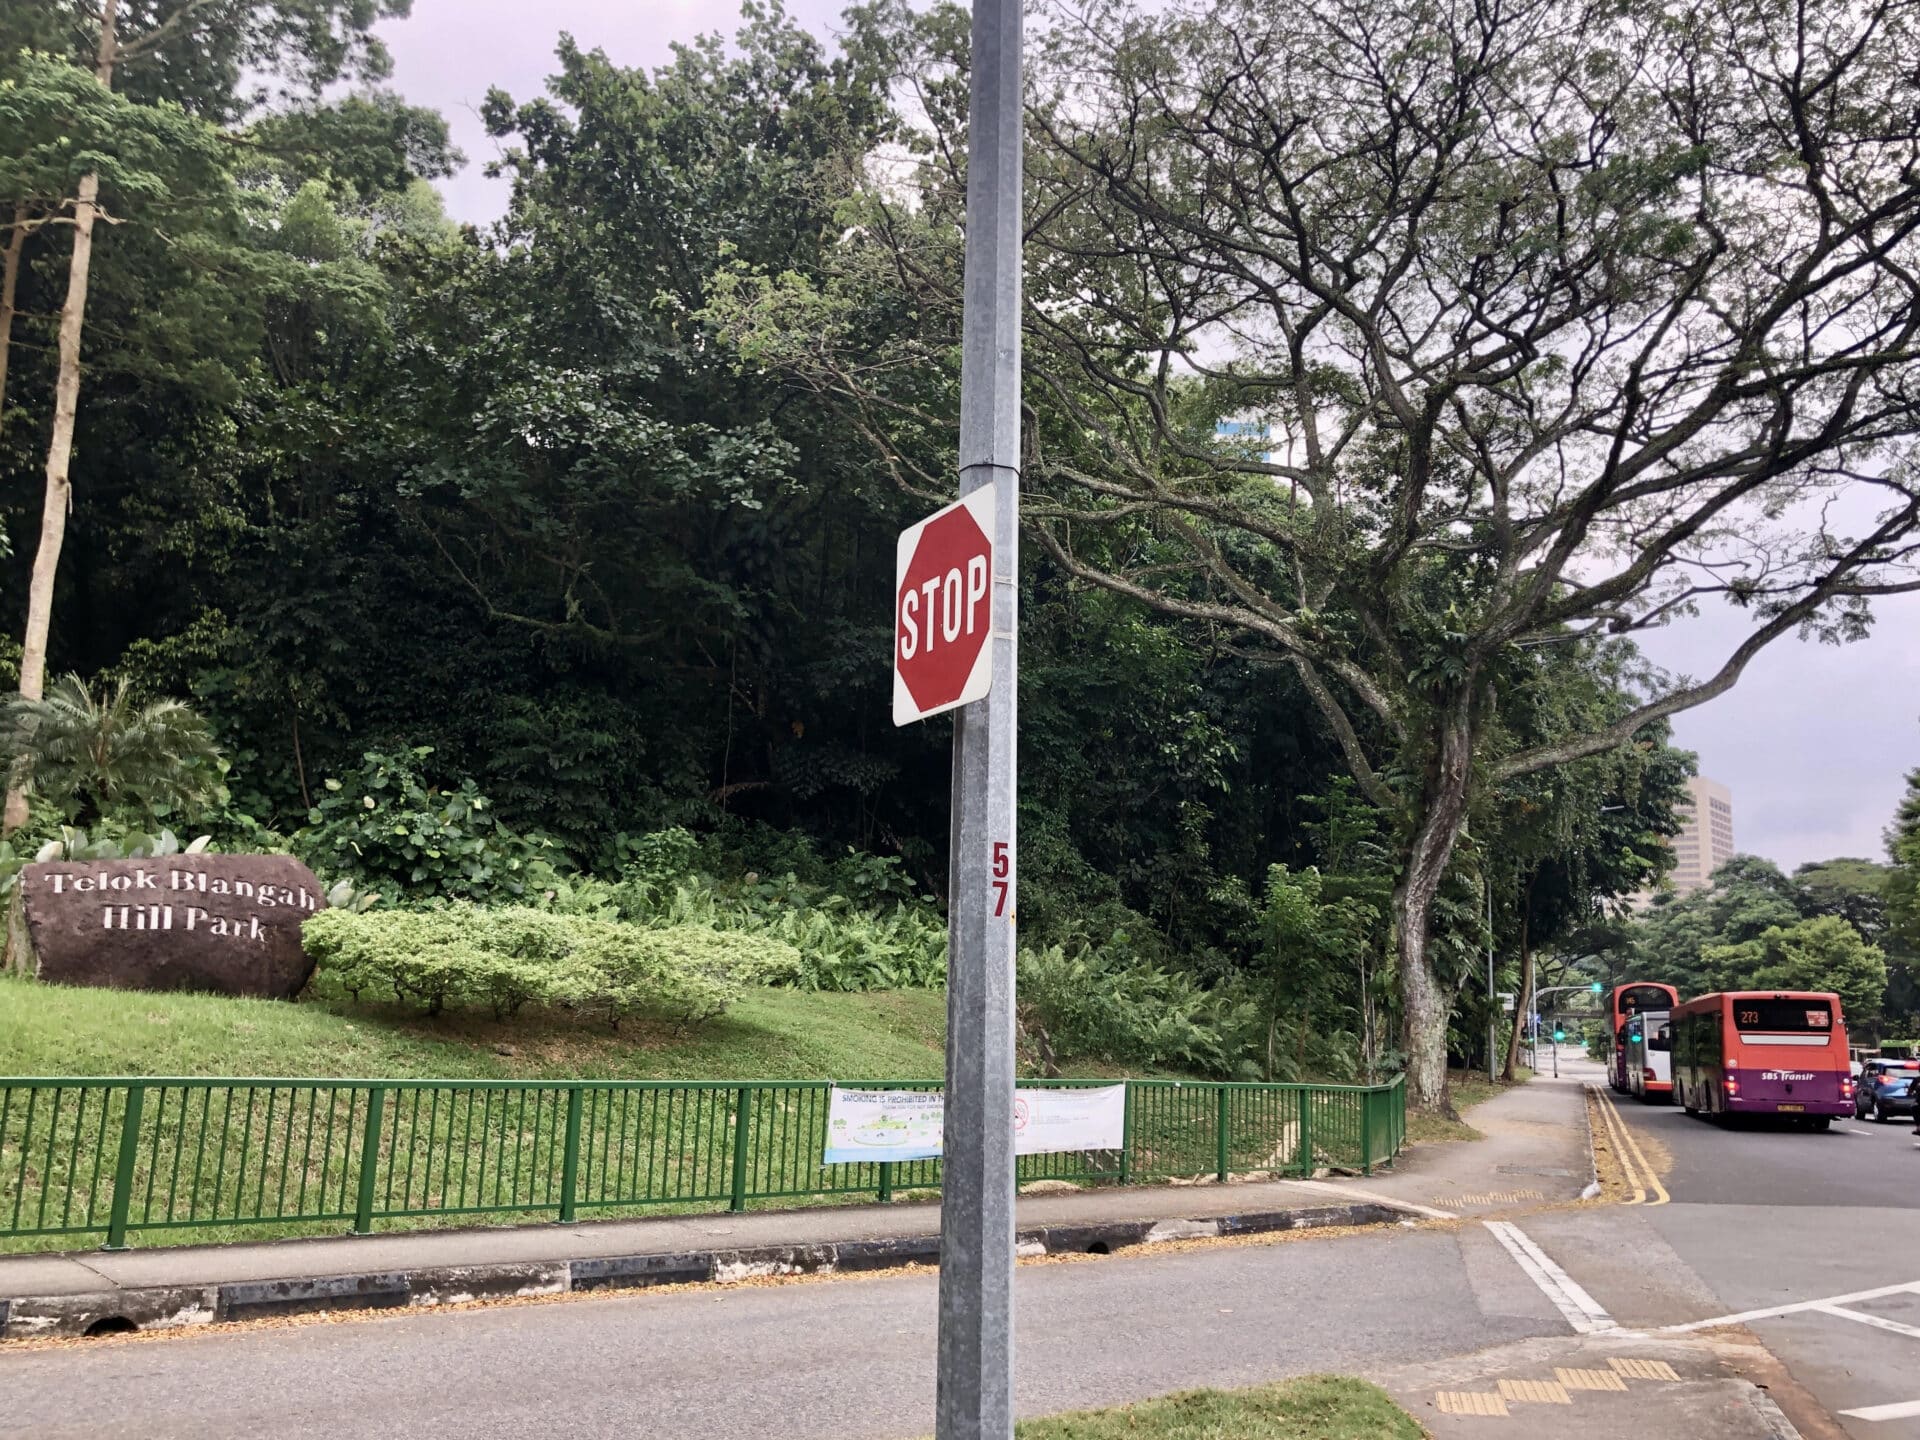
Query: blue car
1885,1089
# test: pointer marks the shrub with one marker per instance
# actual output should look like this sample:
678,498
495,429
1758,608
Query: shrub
1093,1005
505,959
386,827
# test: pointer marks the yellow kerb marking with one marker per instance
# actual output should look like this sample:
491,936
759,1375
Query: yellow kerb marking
1644,1369
1535,1392
1590,1379
1470,1402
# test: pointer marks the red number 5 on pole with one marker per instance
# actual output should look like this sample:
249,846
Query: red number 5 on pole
1002,877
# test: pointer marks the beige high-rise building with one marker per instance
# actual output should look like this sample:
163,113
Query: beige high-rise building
1705,841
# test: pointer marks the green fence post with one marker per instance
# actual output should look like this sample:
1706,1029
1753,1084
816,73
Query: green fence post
123,1170
570,1156
886,1182
369,1159
1126,1133
742,1109
1220,1133
1366,1131
1306,1132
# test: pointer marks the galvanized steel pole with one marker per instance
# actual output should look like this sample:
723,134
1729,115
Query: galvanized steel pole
975,1387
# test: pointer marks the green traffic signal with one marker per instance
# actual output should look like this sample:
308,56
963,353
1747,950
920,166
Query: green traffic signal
1596,987
1558,1036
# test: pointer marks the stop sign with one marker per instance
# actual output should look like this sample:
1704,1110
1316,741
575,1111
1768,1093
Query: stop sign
943,609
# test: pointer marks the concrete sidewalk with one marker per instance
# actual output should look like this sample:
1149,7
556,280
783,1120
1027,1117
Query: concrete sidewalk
1576,1387
1534,1152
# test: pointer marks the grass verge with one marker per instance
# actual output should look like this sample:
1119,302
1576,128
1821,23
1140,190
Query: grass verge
770,1034
1467,1088
1319,1407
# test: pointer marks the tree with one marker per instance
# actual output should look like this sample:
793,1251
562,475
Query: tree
108,757
1584,835
1546,324
191,52
1309,945
1824,953
1903,882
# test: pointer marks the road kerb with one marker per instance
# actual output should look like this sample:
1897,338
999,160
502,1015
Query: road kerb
49,1317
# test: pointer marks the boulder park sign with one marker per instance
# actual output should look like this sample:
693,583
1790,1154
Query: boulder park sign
228,924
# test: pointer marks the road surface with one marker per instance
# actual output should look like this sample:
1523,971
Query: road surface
1757,1220
1764,1217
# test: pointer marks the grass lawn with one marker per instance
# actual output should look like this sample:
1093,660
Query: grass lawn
1319,1407
770,1034
1468,1088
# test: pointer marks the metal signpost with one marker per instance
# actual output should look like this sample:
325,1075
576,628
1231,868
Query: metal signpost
940,571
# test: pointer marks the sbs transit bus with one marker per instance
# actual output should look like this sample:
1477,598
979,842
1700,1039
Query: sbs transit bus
1628,1001
1763,1053
1650,1056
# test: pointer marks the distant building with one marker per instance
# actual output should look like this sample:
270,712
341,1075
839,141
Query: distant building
1705,841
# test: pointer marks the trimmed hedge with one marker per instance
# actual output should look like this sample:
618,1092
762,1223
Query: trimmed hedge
506,959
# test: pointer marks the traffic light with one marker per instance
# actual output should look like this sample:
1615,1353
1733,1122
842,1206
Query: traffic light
1596,987
1558,1035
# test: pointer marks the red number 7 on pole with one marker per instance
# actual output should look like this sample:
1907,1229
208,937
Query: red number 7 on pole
1002,877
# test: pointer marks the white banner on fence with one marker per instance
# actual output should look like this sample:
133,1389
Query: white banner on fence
883,1125
1046,1122
906,1124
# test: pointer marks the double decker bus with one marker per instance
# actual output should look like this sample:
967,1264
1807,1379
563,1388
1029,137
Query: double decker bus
1637,997
1752,1052
1650,1056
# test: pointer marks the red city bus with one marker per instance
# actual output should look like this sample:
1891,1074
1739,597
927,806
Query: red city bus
1650,1056
1763,1053
1634,998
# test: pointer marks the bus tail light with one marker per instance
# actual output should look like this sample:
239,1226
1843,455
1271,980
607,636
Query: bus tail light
1732,1084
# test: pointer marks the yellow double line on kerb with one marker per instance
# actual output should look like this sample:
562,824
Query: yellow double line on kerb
1634,1165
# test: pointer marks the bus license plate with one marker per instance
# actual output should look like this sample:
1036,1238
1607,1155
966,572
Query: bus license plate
1793,1109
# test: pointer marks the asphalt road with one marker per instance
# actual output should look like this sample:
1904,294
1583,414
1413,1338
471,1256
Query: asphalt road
846,1359
1763,1217
1758,1219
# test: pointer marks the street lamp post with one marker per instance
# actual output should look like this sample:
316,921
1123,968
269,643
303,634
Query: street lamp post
973,1397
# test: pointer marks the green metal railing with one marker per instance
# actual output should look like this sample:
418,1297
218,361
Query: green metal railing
115,1156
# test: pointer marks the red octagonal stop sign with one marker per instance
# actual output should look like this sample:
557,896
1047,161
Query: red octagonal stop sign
943,610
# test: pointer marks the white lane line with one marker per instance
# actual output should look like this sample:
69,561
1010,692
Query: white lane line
1911,1287
1878,1322
1576,1306
1905,1410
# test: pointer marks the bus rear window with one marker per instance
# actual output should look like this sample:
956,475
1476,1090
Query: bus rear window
1635,998
1797,1017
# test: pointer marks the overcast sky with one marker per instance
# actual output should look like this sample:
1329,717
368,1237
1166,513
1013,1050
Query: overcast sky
1814,741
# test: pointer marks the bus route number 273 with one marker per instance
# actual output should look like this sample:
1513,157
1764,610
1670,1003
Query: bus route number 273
1002,877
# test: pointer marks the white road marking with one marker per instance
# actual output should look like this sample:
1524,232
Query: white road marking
1905,1410
1576,1306
1878,1322
1431,1212
1912,1287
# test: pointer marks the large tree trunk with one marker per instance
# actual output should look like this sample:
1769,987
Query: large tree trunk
66,403
9,287
1428,999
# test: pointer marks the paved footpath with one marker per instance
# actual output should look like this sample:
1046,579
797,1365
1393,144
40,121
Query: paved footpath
1468,1321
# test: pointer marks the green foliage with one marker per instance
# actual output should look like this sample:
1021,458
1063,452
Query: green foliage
507,958
1091,1004
1824,953
1902,891
387,827
1313,950
107,757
